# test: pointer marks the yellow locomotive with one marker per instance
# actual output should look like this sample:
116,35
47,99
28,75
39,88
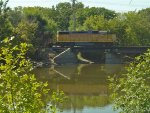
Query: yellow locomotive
85,38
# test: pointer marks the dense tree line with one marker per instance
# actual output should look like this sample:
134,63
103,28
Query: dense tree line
38,25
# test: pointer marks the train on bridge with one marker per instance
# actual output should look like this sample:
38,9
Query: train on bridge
85,38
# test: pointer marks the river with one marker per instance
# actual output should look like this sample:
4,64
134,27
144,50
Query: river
86,85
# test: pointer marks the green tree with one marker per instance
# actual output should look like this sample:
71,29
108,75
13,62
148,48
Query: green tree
95,23
25,32
83,13
137,29
46,26
78,6
132,89
118,26
145,13
108,14
20,91
6,28
16,16
64,11
131,29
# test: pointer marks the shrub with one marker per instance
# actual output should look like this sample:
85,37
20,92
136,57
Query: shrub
20,91
131,92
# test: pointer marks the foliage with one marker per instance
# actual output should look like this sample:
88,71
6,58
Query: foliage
95,23
132,90
16,16
131,29
118,26
25,32
63,10
83,13
5,25
20,91
46,26
137,31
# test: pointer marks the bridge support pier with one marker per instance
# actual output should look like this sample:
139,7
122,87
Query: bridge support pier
66,57
112,58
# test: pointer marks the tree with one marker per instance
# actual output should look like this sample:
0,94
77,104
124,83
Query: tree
16,16
83,13
20,91
118,26
46,26
95,23
131,90
5,25
74,22
131,29
64,11
137,29
145,13
25,32
108,14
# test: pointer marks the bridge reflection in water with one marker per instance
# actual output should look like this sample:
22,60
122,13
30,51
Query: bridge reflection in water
86,85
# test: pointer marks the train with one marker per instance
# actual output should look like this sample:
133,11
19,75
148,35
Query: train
85,38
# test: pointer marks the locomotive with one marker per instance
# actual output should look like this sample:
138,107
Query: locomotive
85,38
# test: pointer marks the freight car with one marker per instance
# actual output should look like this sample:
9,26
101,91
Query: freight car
85,38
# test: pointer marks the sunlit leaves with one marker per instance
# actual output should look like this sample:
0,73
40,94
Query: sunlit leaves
20,91
95,23
132,90
132,29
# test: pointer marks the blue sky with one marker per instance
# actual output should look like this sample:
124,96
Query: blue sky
117,5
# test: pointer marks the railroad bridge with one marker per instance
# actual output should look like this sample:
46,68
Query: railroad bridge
89,54
117,49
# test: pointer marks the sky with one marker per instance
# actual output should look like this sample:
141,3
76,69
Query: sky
116,5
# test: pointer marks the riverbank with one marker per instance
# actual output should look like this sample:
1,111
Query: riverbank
43,57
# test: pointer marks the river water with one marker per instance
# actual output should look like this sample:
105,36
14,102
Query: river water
86,85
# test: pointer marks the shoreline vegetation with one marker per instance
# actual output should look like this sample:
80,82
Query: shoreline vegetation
131,92
20,91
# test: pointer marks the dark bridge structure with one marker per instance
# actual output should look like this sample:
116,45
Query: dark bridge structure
89,54
93,47
117,49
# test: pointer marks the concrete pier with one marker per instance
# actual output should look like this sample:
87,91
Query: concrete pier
112,58
66,57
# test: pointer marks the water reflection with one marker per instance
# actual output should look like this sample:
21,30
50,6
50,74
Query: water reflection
86,85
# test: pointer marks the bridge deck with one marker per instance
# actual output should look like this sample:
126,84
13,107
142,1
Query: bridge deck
133,49
117,49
